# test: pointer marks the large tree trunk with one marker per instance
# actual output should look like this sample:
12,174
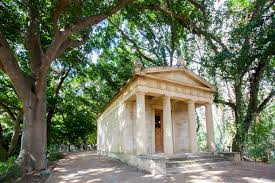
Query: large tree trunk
236,144
34,142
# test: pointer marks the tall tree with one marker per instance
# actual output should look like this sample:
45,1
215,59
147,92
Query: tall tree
43,31
246,61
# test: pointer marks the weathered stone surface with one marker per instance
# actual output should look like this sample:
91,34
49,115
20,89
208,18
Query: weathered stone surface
128,123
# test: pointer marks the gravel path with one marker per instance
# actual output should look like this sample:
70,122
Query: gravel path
87,167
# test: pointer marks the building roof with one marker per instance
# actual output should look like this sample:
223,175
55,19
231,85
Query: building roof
176,68
152,70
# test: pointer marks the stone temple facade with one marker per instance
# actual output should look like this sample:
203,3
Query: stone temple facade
154,114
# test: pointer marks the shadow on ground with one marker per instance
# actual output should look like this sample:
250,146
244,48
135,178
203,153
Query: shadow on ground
87,167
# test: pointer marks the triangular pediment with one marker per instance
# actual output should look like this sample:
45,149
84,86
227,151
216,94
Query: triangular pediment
182,75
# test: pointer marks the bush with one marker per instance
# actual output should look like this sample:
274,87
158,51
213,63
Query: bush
9,170
53,156
260,144
53,153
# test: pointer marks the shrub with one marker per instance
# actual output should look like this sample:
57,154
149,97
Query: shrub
9,170
53,153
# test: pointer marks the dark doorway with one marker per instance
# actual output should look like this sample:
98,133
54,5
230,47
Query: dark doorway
158,131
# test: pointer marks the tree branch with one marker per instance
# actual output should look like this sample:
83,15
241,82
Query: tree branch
230,104
33,44
11,67
62,79
187,23
61,36
8,110
95,19
72,44
266,101
61,4
134,43
52,107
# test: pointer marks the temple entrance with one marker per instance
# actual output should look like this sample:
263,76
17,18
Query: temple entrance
158,131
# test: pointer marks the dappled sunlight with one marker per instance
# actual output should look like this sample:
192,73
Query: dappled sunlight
87,167
257,180
94,180
80,173
61,169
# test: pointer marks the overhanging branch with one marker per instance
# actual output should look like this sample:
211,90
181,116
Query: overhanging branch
72,44
61,36
187,23
95,19
8,110
10,66
133,42
230,104
266,101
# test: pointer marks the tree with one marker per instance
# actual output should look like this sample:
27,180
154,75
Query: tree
245,61
41,39
238,43
11,110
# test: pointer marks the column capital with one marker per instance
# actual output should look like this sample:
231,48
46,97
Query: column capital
140,93
191,101
166,97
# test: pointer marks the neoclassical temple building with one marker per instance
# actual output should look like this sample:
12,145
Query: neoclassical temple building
154,114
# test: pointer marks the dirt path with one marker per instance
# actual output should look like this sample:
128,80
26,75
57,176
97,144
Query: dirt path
87,167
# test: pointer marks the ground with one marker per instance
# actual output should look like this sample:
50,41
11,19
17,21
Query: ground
87,167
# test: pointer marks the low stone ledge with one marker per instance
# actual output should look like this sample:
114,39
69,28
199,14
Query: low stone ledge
151,164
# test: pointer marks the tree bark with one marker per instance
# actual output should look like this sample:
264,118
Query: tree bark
34,142
236,144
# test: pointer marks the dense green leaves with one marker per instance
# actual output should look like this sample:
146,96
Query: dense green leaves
231,44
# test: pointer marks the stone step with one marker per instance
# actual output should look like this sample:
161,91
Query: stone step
194,157
194,161
198,166
181,155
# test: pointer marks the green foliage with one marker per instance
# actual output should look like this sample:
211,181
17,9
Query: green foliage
92,138
9,170
53,153
201,141
154,37
262,137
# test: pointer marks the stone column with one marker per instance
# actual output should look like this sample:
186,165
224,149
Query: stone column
167,126
128,129
141,124
192,126
209,128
